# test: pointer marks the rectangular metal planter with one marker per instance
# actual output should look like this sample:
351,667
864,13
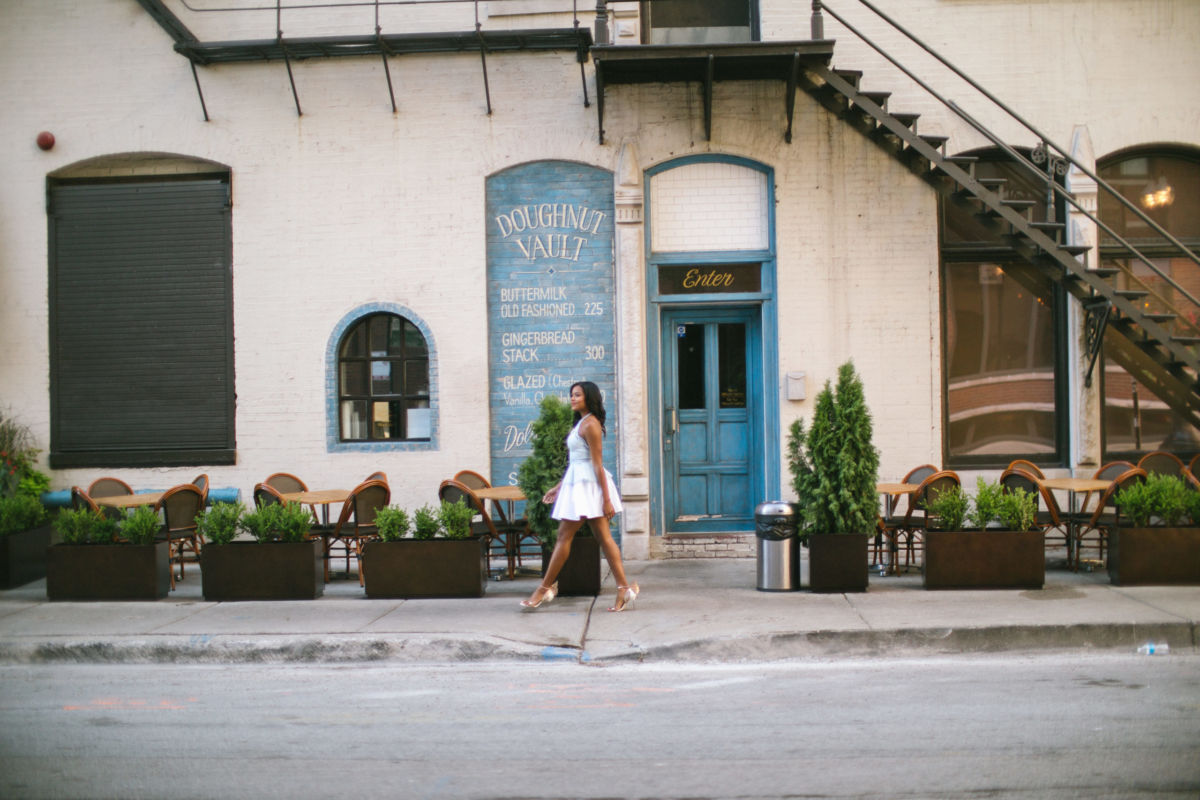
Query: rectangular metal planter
23,555
262,571
108,571
580,576
984,560
1154,556
837,562
426,568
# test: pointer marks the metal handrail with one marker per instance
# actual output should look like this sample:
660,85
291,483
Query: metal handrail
818,5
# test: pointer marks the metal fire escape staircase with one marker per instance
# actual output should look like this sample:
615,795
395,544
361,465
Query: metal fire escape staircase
1158,338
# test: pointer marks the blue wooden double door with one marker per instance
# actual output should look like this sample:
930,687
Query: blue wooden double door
712,394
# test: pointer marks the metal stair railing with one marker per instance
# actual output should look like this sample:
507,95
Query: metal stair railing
1172,353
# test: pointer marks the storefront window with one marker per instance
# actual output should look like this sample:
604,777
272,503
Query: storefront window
1164,185
1000,365
1004,335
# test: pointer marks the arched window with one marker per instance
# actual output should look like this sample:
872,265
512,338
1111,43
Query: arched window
383,381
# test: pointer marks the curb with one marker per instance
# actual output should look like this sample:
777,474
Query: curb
439,649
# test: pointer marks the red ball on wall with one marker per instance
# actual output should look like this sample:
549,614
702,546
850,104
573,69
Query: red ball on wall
45,140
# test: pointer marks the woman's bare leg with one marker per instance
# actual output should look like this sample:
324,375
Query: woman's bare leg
612,553
562,549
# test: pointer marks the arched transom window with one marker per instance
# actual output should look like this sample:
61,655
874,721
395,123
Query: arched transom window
383,381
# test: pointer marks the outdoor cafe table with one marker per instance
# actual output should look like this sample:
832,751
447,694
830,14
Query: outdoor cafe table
130,500
510,496
321,497
890,492
1072,486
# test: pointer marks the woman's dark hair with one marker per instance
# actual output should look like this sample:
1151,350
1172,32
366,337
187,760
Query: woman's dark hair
593,401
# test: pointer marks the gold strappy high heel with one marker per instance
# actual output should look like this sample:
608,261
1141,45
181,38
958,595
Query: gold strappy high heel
548,594
625,597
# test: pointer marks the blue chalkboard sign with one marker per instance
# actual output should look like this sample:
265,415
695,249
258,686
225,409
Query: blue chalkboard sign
550,290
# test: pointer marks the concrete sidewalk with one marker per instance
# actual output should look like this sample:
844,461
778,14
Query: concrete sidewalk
690,610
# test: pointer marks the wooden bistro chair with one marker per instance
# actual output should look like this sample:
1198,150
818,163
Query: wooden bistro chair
81,500
179,506
1193,471
1108,472
451,491
1106,516
916,519
1030,467
287,483
201,483
356,524
378,476
266,495
893,515
109,487
1049,516
1160,462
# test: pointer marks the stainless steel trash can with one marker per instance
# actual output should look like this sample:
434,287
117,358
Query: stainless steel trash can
775,525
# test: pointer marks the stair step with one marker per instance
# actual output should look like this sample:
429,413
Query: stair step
1075,249
1132,294
1020,206
935,142
962,162
906,119
1186,340
993,183
1161,316
1104,272
850,76
878,98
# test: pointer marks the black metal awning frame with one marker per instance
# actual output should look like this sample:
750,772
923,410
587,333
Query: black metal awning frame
705,64
288,49
708,64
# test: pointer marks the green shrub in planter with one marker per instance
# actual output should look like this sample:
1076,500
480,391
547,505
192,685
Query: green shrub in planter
140,526
278,522
220,523
456,519
20,513
426,523
1018,510
988,497
392,523
84,526
1161,499
948,508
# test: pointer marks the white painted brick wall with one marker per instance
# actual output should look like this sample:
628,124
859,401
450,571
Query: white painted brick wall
709,206
350,204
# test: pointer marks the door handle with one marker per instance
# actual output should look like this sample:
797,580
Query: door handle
672,421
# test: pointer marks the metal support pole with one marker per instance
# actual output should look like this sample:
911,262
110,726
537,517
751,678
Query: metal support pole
818,22
601,22
487,92
199,91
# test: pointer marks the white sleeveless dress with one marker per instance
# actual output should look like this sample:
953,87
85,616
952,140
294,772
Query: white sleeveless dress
580,496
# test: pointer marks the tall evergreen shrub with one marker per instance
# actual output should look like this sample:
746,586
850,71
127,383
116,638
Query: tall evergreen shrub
834,464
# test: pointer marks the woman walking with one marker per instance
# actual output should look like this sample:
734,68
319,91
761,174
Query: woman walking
586,493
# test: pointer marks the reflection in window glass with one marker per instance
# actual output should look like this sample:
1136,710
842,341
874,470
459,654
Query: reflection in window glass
1165,186
731,344
383,388
690,349
1000,387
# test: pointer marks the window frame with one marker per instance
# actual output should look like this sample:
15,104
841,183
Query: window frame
1156,249
993,252
334,397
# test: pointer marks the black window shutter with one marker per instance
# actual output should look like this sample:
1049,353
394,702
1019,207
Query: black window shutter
141,318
